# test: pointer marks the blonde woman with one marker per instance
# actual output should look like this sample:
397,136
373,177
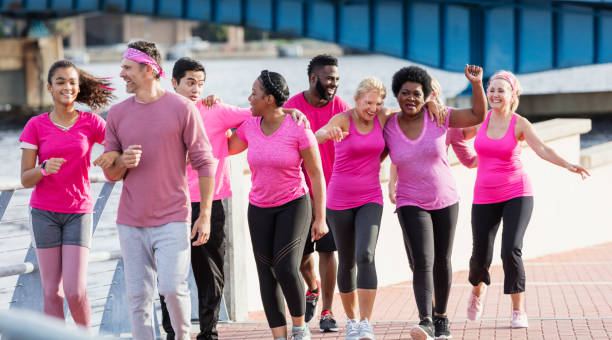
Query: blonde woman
354,200
503,192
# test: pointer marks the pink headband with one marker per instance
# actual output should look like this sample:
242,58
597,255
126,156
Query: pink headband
506,78
142,58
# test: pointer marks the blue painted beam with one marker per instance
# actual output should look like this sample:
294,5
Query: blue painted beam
518,35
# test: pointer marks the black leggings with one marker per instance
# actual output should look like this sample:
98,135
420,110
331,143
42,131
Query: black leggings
278,235
516,214
428,238
356,233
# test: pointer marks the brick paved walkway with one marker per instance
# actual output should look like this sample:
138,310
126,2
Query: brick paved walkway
569,296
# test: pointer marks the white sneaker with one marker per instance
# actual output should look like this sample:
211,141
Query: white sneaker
519,319
475,305
352,329
300,333
365,330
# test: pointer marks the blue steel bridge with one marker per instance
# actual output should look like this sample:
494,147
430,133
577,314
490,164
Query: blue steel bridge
520,35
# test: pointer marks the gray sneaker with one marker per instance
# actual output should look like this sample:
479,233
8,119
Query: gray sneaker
300,333
352,329
365,330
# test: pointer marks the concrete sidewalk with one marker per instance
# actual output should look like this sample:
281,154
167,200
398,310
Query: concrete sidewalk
569,296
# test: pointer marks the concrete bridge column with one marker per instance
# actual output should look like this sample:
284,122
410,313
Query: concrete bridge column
235,36
77,37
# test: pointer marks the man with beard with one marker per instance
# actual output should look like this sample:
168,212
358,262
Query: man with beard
319,103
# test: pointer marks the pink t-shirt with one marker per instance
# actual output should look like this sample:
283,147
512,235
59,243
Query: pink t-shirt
155,192
318,117
500,174
424,177
355,180
216,123
68,191
275,161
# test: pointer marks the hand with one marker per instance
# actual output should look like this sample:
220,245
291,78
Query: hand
437,113
392,193
201,227
318,230
299,118
131,156
336,134
578,169
106,160
210,101
53,165
473,73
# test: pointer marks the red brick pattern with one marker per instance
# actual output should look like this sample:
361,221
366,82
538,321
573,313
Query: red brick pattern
569,296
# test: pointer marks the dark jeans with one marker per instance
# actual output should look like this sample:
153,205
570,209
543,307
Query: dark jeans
207,262
428,238
516,214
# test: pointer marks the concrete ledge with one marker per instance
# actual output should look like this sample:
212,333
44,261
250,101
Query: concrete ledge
557,128
566,103
597,155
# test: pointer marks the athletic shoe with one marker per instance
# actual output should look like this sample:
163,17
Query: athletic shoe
300,333
311,302
442,327
327,322
352,329
519,319
475,305
365,330
423,331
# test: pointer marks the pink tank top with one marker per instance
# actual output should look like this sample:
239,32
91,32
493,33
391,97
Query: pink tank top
500,175
355,177
424,177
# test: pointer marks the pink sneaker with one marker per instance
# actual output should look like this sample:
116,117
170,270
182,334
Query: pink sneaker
519,319
475,305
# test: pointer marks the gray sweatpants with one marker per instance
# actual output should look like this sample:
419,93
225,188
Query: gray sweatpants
157,255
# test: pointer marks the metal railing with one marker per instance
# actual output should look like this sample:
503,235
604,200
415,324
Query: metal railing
27,293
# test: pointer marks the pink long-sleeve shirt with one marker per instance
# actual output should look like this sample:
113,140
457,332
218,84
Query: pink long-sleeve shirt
155,192
217,121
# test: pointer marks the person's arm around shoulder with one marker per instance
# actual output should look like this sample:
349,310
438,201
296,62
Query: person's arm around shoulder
336,129
312,163
460,118
526,131
385,113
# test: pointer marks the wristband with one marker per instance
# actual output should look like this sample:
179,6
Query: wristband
42,168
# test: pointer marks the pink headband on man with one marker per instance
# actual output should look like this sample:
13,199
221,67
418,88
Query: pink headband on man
508,79
142,58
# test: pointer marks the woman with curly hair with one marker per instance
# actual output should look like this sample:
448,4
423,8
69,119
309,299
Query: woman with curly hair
61,204
427,199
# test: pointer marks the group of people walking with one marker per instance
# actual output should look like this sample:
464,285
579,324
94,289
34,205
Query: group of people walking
315,164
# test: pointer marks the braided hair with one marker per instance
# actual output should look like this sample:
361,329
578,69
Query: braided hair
274,84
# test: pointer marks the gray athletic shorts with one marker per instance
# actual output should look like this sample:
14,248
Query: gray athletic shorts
52,229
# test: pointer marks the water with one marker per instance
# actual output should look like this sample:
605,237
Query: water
231,80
